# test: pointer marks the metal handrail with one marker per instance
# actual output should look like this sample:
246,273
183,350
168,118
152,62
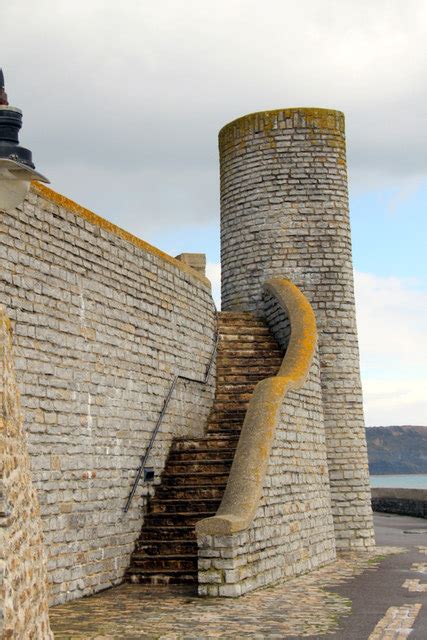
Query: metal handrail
160,418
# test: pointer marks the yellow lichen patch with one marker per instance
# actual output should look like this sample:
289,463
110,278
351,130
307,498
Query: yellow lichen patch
316,120
52,196
323,118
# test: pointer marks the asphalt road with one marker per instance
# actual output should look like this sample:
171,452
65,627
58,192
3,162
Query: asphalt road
374,592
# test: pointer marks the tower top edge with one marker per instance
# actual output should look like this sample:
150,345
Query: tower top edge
293,117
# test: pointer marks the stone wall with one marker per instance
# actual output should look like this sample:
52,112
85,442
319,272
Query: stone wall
23,574
284,212
292,531
405,502
103,322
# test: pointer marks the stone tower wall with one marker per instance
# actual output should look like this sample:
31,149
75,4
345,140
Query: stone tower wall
284,212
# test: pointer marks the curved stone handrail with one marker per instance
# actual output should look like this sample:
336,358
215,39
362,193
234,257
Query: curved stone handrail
245,483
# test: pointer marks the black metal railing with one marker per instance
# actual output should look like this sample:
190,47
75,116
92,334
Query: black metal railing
160,418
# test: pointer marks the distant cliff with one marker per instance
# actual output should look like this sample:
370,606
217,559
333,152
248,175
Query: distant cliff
397,449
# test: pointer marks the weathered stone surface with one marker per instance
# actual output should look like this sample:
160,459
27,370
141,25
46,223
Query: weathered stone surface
23,574
196,471
196,261
292,531
102,324
284,213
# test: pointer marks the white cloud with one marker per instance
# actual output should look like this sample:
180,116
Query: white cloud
403,195
395,402
213,272
392,326
143,87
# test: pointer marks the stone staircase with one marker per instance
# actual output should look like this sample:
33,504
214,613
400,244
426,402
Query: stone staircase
197,469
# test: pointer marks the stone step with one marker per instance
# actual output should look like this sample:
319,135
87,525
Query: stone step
192,479
235,367
164,577
179,518
236,415
245,337
247,373
226,408
210,441
235,386
181,506
251,325
248,349
235,336
212,453
228,415
232,389
166,547
225,427
198,466
245,316
215,430
167,532
174,562
240,361
199,491
232,396
235,389
249,355
233,375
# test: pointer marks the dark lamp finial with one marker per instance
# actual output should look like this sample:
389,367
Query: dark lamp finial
3,95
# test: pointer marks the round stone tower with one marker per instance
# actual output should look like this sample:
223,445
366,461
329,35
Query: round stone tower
284,212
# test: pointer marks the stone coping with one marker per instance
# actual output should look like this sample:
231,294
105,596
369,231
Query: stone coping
246,480
293,117
60,200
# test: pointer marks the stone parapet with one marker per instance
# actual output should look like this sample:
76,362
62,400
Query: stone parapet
196,261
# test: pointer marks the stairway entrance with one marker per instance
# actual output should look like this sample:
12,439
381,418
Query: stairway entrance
197,469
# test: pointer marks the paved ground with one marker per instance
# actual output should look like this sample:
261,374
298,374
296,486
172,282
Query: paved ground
377,596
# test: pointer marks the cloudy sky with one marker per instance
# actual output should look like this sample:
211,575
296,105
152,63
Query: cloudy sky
123,101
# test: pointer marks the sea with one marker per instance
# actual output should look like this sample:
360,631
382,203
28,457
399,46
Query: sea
401,481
